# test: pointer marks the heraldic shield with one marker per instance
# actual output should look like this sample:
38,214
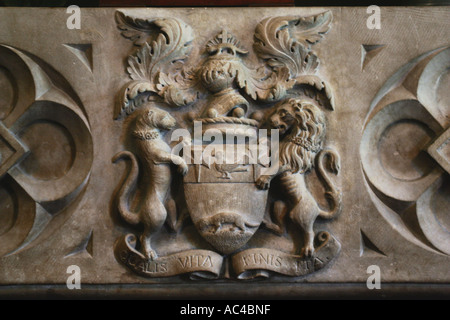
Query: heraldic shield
223,200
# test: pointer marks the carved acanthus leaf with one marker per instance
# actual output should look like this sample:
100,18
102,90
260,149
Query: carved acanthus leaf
323,89
128,101
178,89
262,85
166,52
171,46
137,30
286,41
139,64
283,43
310,30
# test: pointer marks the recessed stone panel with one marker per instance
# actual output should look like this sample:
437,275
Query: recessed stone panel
116,139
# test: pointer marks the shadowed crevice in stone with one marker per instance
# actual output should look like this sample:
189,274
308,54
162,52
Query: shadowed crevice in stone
85,247
368,52
83,51
367,247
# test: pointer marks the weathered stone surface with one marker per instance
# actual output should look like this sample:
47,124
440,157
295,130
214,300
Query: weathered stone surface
372,187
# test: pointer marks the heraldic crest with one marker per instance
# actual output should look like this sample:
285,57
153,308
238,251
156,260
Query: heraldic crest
200,203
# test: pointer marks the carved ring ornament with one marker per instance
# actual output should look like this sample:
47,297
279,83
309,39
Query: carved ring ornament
405,151
45,148
229,203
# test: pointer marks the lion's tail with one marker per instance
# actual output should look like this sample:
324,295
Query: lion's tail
333,195
127,187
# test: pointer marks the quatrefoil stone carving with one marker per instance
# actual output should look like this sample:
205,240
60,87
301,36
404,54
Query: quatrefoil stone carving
45,147
405,150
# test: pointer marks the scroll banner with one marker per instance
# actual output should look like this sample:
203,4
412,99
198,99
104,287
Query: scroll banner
199,263
257,262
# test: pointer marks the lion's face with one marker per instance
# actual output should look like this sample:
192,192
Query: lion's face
302,128
283,118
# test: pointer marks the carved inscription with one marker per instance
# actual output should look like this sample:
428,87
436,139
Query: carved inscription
198,263
145,266
263,259
249,262
195,261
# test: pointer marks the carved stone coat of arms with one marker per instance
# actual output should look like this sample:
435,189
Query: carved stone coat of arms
184,152
228,181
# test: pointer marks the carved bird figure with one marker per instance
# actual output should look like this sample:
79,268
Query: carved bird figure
221,166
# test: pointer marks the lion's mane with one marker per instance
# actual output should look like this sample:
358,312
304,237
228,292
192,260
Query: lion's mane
300,145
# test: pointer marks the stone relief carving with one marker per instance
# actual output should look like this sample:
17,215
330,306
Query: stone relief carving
404,151
159,66
357,178
45,147
227,202
302,126
155,156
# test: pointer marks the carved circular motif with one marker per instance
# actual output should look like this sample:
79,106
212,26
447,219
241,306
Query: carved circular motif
45,144
17,89
403,150
432,214
7,93
69,165
52,150
440,203
17,212
391,158
400,149
8,210
443,94
433,86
